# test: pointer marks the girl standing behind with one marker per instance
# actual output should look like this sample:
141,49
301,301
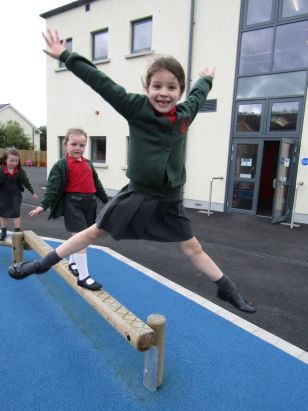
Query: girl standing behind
13,179
71,191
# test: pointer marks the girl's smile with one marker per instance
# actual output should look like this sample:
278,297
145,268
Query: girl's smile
164,91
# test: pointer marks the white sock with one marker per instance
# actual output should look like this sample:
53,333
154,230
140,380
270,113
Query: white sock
81,262
72,259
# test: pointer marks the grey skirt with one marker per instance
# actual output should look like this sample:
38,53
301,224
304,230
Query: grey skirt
10,204
134,215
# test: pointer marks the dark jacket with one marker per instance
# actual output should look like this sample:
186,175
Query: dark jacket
156,152
21,177
56,183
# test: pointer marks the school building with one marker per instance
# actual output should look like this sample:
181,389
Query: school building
247,149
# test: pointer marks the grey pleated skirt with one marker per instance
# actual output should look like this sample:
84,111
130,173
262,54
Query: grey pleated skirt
134,215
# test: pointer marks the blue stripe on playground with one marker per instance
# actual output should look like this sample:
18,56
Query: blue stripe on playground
57,353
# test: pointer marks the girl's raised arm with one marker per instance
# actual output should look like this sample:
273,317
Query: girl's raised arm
208,71
55,45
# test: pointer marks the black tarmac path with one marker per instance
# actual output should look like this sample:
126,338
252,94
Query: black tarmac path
269,262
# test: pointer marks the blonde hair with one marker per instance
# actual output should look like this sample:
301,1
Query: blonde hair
78,131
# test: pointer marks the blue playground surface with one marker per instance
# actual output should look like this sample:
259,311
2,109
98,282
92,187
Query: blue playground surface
57,353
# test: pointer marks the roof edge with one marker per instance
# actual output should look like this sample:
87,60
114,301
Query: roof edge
64,8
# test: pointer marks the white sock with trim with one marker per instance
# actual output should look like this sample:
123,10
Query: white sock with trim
81,261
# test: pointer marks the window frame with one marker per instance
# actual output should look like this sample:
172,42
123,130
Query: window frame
69,40
93,34
92,140
133,23
300,114
294,18
253,134
62,147
259,24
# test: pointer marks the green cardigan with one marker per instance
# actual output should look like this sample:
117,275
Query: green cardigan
54,192
21,177
156,152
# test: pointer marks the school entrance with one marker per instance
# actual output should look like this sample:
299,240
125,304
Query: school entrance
262,177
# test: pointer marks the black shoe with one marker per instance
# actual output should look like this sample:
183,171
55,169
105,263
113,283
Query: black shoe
3,235
16,270
92,287
73,270
237,300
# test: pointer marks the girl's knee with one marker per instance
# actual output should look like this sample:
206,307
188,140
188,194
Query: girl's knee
191,247
93,233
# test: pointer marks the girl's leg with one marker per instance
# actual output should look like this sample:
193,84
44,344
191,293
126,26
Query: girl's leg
17,223
76,243
3,228
193,250
84,279
227,289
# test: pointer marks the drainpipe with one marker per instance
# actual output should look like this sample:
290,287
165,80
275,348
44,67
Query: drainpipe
189,60
190,45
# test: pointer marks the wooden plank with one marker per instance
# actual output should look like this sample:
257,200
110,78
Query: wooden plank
134,330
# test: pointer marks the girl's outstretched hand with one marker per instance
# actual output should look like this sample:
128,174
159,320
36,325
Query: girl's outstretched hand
208,71
36,211
55,45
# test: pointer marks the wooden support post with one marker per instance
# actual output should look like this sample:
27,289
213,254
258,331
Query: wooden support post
17,247
140,335
154,358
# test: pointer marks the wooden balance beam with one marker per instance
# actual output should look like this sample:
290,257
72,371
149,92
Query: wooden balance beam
148,337
17,243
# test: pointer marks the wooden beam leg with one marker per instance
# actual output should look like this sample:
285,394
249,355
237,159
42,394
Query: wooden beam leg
17,247
154,358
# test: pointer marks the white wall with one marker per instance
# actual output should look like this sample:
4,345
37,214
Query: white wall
209,135
73,104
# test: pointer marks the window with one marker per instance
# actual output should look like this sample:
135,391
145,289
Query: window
259,11
98,149
291,46
248,118
141,35
284,116
256,51
62,147
292,8
69,46
273,85
100,45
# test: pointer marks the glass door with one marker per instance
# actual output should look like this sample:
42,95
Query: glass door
286,160
246,160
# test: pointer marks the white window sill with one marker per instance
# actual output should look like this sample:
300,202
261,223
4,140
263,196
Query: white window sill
58,69
100,165
139,54
101,61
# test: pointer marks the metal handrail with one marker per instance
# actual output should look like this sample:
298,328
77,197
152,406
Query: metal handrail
300,183
210,194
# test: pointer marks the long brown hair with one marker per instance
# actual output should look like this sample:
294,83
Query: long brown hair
14,152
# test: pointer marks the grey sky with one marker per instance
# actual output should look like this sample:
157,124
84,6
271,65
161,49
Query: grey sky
23,64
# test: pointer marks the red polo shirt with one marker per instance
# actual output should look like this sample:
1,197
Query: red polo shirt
79,176
6,171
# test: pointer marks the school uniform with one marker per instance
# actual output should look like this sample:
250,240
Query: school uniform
151,206
11,189
71,191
